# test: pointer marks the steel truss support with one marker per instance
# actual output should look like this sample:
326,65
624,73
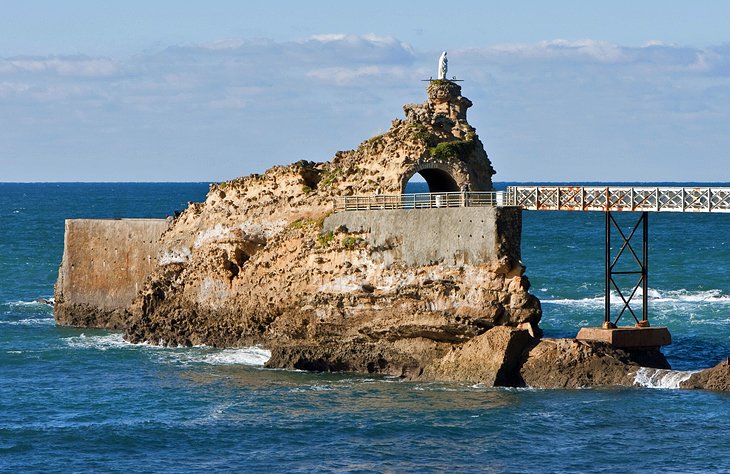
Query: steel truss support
642,271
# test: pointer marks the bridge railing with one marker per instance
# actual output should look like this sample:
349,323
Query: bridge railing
619,198
419,201
555,198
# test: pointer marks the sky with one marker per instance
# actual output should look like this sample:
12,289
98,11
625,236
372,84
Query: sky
208,91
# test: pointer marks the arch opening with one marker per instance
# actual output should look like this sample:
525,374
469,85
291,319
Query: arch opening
431,180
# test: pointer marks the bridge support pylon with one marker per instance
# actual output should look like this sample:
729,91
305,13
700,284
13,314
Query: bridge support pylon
641,335
640,269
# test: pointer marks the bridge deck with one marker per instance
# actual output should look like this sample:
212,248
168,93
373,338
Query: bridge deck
556,198
619,198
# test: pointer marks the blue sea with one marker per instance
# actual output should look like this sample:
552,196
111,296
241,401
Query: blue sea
82,400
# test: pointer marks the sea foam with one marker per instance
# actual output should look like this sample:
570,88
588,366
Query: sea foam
251,356
30,322
101,342
655,296
661,378
255,356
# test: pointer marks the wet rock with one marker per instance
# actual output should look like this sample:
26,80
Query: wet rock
361,357
714,378
570,363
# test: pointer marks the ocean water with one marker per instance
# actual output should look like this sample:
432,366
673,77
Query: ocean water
80,400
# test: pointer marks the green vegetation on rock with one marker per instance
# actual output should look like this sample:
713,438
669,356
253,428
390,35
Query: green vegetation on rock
325,239
305,222
351,242
453,149
330,176
422,133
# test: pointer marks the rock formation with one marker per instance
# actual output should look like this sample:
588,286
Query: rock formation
262,261
714,378
253,265
571,363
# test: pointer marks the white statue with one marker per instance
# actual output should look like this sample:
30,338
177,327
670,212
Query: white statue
443,66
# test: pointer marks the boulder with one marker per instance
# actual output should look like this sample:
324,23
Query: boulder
714,378
570,363
491,359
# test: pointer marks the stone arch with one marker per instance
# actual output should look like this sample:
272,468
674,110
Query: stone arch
440,178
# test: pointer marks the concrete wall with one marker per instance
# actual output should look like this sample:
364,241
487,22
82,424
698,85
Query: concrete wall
104,265
473,235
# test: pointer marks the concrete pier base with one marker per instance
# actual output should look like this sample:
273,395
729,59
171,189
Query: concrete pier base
628,337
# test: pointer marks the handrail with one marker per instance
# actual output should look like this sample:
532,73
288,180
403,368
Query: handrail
419,201
555,198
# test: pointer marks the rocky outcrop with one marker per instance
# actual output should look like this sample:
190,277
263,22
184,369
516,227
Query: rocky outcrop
253,264
435,294
714,378
491,359
570,363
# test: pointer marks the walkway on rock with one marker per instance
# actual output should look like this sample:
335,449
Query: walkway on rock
556,198
607,199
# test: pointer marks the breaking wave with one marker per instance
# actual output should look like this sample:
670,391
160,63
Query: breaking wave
255,356
250,356
38,302
100,343
655,296
30,322
661,378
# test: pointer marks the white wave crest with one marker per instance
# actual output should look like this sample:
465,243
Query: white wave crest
255,356
655,296
251,356
597,301
101,342
39,302
661,378
30,322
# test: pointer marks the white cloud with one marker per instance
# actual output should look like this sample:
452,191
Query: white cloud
8,88
344,75
80,66
603,51
282,101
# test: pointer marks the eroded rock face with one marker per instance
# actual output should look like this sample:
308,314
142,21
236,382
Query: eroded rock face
570,363
715,378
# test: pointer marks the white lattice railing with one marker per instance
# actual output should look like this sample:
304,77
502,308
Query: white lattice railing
619,198
555,198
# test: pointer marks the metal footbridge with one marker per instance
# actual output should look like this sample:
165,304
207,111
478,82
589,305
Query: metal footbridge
619,198
606,199
555,198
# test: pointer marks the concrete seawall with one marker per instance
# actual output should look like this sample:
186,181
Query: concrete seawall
472,235
105,263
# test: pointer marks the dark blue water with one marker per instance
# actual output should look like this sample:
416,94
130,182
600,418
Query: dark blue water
84,400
